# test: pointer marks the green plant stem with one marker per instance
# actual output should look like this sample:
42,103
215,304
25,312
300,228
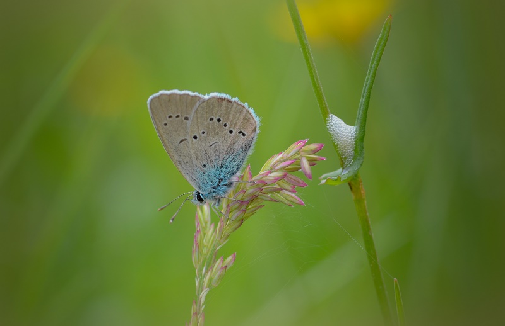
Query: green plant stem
311,65
307,54
358,195
399,304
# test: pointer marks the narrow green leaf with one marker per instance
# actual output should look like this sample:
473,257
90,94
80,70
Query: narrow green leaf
399,304
332,181
359,150
332,178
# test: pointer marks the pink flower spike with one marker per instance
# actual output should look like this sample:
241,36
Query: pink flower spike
261,175
237,214
271,161
301,143
218,265
230,260
304,163
252,191
311,158
197,233
293,149
284,164
295,181
277,196
270,189
251,211
267,197
243,203
312,148
220,225
273,177
195,255
293,168
286,186
247,173
292,198
234,204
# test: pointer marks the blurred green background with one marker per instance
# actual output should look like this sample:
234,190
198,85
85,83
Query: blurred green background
82,171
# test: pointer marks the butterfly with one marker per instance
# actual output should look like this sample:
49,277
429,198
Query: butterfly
208,138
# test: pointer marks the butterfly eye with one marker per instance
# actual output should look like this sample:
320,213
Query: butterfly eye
199,197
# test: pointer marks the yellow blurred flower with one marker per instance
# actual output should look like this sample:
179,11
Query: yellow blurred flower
345,20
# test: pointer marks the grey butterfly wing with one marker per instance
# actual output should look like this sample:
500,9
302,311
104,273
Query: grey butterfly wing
222,133
171,114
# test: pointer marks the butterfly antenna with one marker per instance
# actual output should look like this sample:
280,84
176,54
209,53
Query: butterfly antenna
177,212
232,199
189,192
218,212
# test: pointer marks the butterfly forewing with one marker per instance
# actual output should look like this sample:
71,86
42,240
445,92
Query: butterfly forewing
171,113
222,132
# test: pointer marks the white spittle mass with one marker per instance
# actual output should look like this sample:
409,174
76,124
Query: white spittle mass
344,136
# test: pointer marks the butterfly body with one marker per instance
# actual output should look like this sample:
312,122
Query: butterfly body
208,138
